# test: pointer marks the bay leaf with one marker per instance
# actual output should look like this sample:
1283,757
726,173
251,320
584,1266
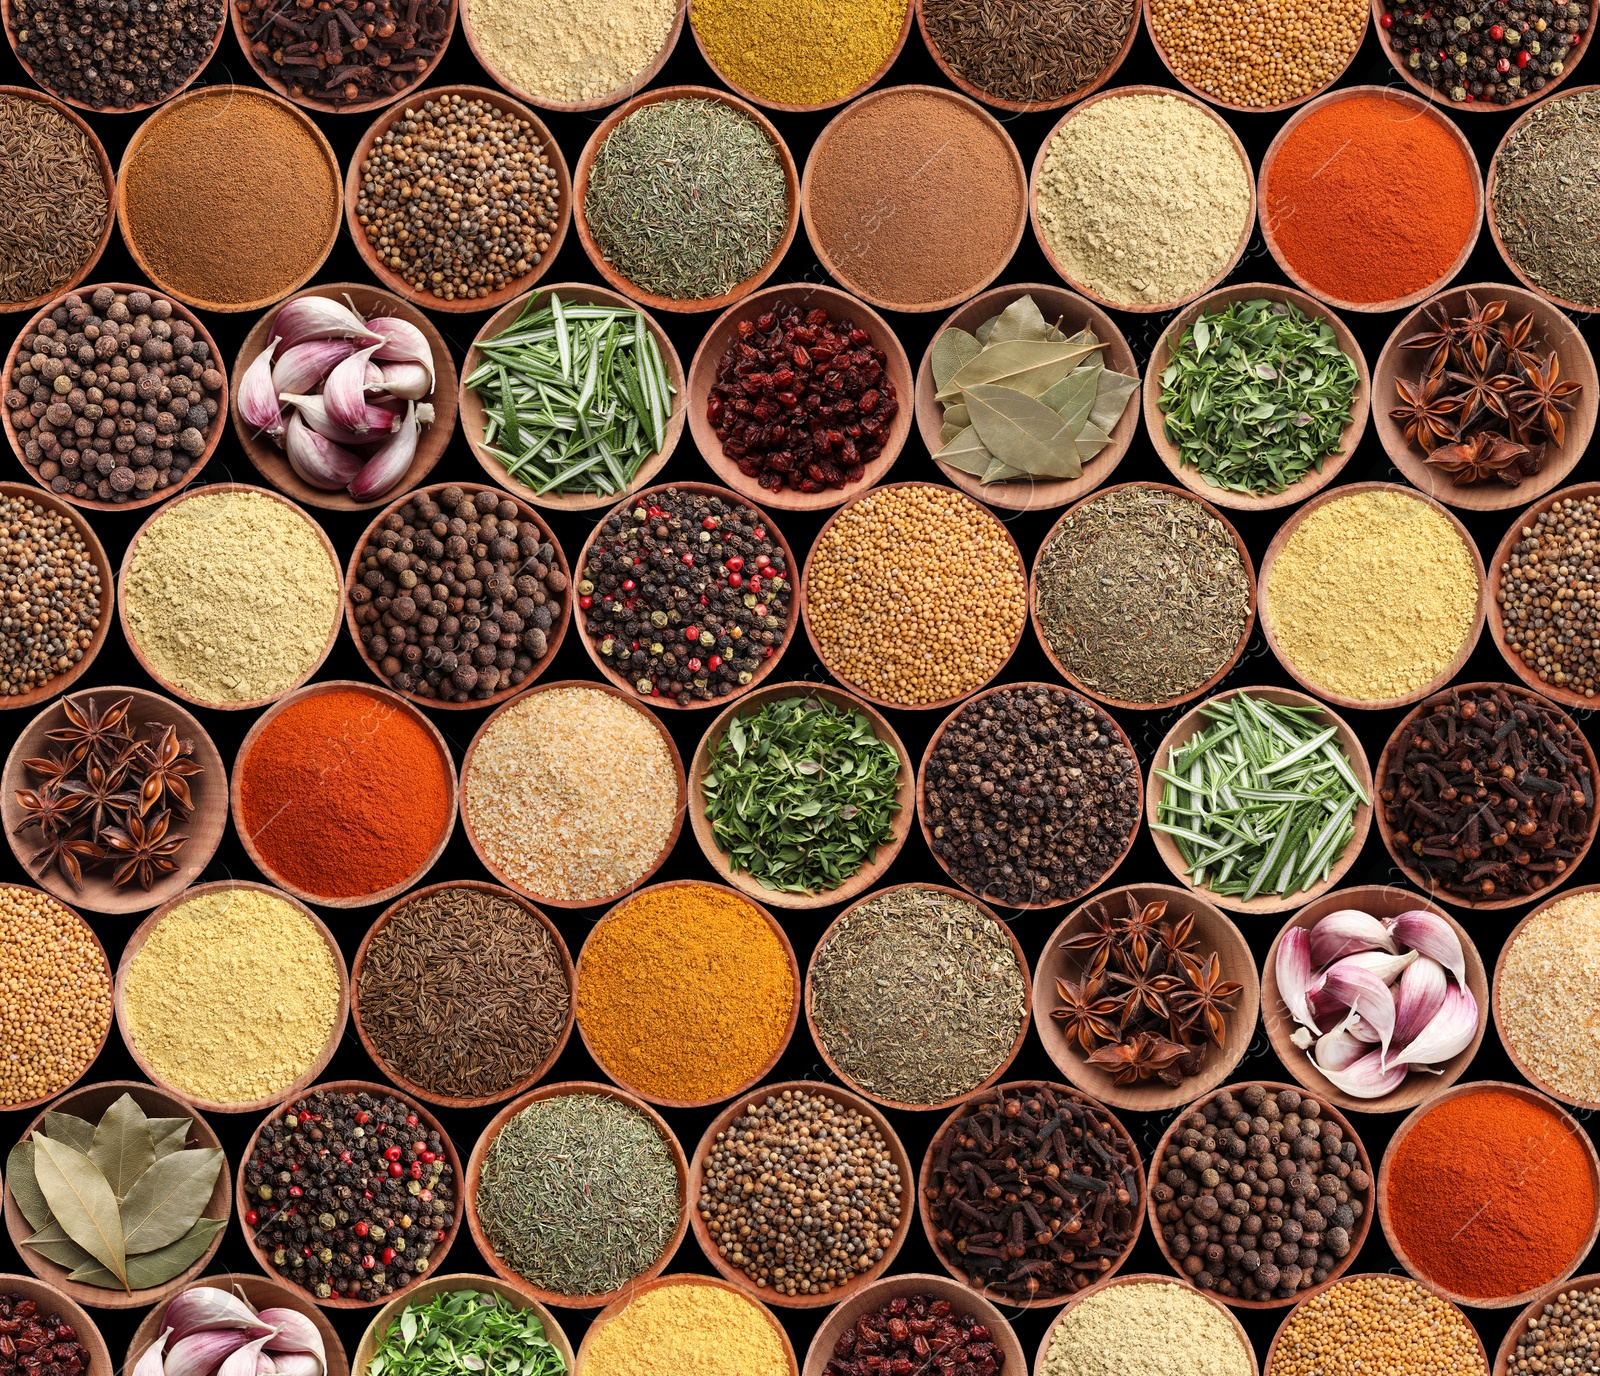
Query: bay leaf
52,1243
1022,319
966,453
76,1132
123,1147
1090,441
956,414
998,472
949,432
168,1198
82,1202
158,1267
982,333
1072,397
1024,366
168,1135
951,351
24,1187
1111,398
1023,432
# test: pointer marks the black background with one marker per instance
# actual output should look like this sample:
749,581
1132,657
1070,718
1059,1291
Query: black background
801,1061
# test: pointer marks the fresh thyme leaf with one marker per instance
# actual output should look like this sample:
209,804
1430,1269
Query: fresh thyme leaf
466,1331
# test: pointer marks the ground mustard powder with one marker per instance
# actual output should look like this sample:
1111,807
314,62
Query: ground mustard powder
798,52
693,1329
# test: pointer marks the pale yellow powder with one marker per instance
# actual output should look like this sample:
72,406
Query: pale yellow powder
1157,1328
1549,990
569,50
1372,596
233,996
689,1329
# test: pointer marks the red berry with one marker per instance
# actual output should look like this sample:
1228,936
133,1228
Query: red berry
396,1169
306,1250
391,1153
754,584
345,1157
715,662
252,1218
419,1147
654,691
366,1194
1522,59
367,1262
688,558
762,561
735,579
439,1236
430,1157
735,564
628,585
1387,21
1503,65
694,666
387,1255
411,1120
761,532
362,1116
761,608
295,1192
425,1195
1497,32
305,1115
416,1170
586,602
363,1228
767,652
710,523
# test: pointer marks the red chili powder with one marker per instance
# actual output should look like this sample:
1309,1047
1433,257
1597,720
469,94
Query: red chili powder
1371,199
343,794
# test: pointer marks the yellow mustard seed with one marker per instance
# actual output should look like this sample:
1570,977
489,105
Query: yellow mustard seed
1377,1326
1258,52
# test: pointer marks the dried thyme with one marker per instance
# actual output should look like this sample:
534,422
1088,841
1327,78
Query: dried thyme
55,199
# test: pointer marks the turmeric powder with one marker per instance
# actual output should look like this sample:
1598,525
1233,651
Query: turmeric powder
798,52
689,1327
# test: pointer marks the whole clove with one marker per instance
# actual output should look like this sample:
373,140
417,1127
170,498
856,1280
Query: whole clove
347,52
1488,792
1035,1191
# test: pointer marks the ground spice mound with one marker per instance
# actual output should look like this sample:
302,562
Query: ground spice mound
1549,991
691,1327
798,52
569,50
1377,1326
232,996
1155,1328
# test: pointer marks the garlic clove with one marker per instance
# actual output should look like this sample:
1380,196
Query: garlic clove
149,1363
1346,932
1366,995
1295,981
320,461
408,381
1386,967
1338,1050
381,420
301,368
1432,936
243,1361
403,342
1448,1033
344,391
316,317
258,398
203,1307
295,1334
200,1353
1419,995
1366,1078
388,464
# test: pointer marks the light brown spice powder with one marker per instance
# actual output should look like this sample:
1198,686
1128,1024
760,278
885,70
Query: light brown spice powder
1549,990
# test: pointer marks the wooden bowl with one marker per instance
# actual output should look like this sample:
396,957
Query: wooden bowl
545,899
392,280
1404,859
204,826
473,410
480,1153
838,128
725,332
1264,593
791,565
1139,307
994,1076
1155,417
869,873
136,943
105,966
925,1175
269,459
777,1053
1031,494
91,1101
53,1301
409,1085
1215,932
1059,665
875,1294
922,792
644,1287
1145,1279
1569,1124
383,697
1272,1349
697,1185
220,489
1520,1325
580,190
1381,900
179,312
107,175
1190,725
553,638
1419,108
61,683
432,1286
427,1122
1358,1235
260,1293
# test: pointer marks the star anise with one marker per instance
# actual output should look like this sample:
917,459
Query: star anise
144,849
1143,988
1085,1014
1483,387
1514,341
1544,399
1178,947
100,792
1427,412
1483,456
1478,329
65,851
170,769
49,808
1140,927
51,769
1143,1057
1436,341
1096,941
1207,998
88,728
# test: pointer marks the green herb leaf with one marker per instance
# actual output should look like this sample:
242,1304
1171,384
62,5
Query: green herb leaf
1023,432
952,350
1112,391
157,1268
169,1198
52,1243
1023,320
466,1331
76,1132
1029,366
169,1134
24,1187
123,1147
966,453
82,1202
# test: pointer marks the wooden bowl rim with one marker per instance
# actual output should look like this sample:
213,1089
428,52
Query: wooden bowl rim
1272,1348
282,1296
644,1287
1519,1325
378,1328
84,1328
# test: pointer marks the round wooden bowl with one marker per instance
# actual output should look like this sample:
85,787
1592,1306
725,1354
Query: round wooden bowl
1215,932
1358,1235
1264,595
1396,364
922,793
392,280
105,965
875,1294
644,1287
1530,1096
382,698
869,873
925,1175
1404,859
229,489
1272,1349
433,1286
61,683
473,411
480,1153
409,1085
546,900
1031,494
1140,307
136,943
269,458
994,1076
1380,900
553,639
1190,725
697,1185
791,566
724,333
204,826
1520,1325
131,151
107,175
1145,1279
1269,218
1059,665
1155,418
53,1301
661,1101
260,1293
838,127
179,312
90,1101
580,190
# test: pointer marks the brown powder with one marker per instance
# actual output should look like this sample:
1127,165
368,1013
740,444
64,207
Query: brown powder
916,198
230,198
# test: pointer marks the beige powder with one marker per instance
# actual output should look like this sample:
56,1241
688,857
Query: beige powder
1549,989
569,50
1157,1328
